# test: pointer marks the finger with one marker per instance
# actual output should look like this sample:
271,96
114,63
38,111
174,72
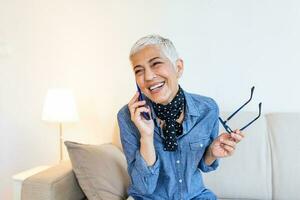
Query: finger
237,131
237,137
139,110
229,149
134,98
242,134
136,104
228,142
224,136
138,114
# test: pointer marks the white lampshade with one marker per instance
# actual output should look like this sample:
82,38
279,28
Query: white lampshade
60,106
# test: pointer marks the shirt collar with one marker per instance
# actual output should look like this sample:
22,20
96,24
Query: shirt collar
191,107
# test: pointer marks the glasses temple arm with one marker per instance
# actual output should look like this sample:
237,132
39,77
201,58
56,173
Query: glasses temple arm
259,106
252,90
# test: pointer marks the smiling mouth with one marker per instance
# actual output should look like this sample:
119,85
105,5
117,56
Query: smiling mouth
157,86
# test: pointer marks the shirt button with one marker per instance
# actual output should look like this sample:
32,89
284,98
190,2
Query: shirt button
201,145
180,180
178,161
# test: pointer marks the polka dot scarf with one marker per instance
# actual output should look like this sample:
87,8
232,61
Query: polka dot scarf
170,113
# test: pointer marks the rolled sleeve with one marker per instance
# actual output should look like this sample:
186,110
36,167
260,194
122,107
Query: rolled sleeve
207,168
213,134
141,165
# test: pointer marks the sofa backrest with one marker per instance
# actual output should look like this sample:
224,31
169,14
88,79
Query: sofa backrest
284,138
247,173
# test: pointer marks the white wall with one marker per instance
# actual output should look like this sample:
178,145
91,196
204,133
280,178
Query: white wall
227,46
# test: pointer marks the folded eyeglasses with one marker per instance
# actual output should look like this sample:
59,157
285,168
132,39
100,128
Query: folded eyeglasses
224,122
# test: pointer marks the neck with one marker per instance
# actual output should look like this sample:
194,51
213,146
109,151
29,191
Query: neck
172,97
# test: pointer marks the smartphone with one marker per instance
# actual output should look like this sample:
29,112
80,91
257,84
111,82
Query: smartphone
144,114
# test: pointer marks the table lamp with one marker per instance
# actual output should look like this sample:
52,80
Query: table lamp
60,107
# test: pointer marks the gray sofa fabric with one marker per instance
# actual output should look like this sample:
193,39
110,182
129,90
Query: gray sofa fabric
248,173
284,137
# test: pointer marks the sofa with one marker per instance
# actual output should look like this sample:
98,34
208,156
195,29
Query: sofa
264,166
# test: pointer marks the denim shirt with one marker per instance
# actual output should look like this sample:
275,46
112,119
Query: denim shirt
175,175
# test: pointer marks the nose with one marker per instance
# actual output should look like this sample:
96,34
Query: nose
149,74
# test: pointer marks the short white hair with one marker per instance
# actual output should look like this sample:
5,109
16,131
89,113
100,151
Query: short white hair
166,46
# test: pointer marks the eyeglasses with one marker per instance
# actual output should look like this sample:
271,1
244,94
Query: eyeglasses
224,123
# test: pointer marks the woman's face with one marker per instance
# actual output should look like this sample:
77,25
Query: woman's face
156,75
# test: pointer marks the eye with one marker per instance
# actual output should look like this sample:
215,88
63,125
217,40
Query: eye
156,63
138,71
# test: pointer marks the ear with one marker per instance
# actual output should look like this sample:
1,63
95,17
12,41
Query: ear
179,67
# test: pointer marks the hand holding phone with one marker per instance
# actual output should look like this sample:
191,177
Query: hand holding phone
144,114
140,115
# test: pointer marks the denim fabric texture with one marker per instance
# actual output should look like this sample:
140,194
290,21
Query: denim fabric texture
174,175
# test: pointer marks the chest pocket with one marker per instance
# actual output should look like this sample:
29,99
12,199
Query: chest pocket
198,148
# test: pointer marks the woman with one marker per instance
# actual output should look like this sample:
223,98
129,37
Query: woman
166,154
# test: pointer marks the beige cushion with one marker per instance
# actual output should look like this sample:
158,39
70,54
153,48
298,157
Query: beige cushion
246,174
285,142
101,170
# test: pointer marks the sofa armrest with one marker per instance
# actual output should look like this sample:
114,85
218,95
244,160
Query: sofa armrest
55,183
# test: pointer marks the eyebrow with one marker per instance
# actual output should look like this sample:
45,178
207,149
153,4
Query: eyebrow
148,61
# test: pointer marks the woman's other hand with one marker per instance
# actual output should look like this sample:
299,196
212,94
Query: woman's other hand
136,107
224,145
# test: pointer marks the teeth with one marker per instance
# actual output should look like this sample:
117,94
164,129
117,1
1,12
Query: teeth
156,86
